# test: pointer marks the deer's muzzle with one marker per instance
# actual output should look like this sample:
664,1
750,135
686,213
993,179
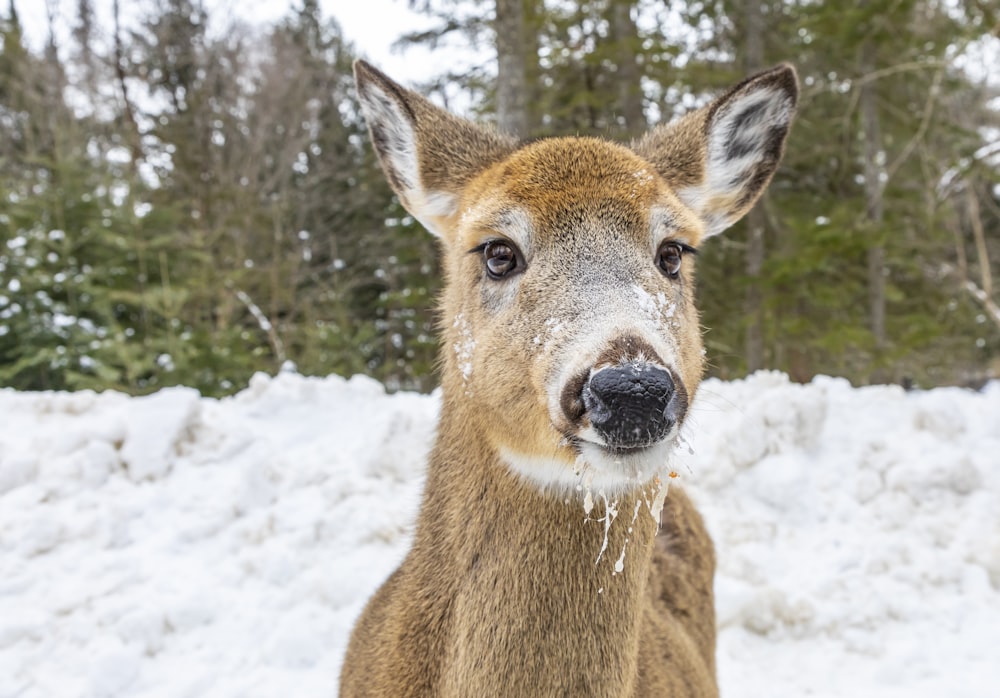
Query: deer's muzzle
633,405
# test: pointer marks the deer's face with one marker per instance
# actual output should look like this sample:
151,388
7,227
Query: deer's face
570,323
570,336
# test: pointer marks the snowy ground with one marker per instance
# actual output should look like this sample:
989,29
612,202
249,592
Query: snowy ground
178,546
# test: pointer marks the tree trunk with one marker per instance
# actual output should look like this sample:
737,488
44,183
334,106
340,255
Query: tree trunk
625,36
874,208
512,66
753,307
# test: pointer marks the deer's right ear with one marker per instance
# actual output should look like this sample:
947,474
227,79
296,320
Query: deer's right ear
428,155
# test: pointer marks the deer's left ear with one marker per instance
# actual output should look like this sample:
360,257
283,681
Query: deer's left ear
720,158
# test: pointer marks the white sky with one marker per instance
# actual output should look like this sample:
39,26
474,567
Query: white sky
371,25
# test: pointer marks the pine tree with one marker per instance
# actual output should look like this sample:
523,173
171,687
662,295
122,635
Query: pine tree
71,315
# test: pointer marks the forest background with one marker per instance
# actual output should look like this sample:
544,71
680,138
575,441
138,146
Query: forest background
186,206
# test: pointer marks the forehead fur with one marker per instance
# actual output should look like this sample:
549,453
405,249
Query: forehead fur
557,179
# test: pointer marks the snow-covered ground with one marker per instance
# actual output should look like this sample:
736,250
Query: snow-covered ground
177,546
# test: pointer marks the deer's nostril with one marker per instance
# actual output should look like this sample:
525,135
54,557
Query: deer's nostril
571,400
632,405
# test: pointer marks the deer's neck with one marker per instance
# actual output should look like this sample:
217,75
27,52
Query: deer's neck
540,590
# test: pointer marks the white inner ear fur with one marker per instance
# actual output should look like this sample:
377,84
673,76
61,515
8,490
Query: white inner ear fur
395,130
430,207
399,148
738,138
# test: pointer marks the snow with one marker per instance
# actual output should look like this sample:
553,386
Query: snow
173,545
465,347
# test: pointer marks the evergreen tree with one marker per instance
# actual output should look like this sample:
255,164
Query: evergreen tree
71,313
220,211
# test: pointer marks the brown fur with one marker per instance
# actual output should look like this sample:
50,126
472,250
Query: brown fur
506,590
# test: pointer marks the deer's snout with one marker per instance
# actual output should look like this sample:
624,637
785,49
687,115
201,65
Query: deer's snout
631,406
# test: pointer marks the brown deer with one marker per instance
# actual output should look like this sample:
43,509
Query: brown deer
545,561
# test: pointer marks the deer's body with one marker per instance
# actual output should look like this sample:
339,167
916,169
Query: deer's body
543,563
491,603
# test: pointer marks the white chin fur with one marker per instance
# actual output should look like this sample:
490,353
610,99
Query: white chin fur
595,470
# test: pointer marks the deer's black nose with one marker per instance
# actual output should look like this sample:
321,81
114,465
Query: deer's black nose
631,406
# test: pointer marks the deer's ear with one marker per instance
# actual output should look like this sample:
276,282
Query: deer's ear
428,155
719,159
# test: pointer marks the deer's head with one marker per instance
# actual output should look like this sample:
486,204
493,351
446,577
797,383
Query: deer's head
571,340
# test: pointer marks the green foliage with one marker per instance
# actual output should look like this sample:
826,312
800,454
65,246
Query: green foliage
74,314
815,281
234,219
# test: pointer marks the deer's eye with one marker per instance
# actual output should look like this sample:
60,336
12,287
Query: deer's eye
668,258
501,259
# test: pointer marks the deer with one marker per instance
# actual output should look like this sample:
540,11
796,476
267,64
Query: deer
549,556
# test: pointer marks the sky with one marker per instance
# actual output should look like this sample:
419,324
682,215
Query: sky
372,26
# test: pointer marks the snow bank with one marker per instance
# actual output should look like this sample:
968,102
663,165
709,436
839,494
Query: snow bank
858,536
179,546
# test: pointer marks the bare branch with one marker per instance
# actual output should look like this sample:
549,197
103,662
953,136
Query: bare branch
262,321
991,307
925,121
982,256
135,138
